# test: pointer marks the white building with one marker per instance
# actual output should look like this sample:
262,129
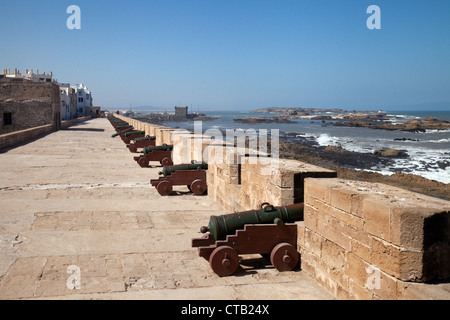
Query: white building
29,75
68,101
84,99
75,101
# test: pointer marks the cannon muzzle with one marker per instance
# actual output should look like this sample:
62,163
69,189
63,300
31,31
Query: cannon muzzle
221,226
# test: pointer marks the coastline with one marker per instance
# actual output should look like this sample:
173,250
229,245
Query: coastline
342,161
349,164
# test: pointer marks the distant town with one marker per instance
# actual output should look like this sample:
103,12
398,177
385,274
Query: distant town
181,114
31,99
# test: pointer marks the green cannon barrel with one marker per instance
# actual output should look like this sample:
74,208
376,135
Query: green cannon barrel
167,171
123,126
221,226
116,120
164,147
130,133
119,122
120,132
147,138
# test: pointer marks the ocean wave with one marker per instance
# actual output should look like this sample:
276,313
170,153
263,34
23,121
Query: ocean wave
325,139
414,167
438,141
437,131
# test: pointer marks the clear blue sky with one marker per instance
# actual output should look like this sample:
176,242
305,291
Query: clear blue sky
232,54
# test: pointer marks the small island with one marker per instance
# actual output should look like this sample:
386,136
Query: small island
365,119
263,120
428,123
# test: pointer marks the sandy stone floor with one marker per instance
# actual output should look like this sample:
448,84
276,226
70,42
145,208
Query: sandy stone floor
77,199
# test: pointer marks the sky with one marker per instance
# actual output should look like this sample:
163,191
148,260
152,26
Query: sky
238,54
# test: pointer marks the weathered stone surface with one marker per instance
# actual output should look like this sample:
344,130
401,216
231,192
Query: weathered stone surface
377,237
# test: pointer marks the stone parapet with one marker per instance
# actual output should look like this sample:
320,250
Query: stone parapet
14,138
368,240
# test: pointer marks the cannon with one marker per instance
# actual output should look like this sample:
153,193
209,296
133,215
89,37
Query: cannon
122,132
269,231
131,135
164,147
163,154
192,175
119,123
140,143
167,171
121,126
115,122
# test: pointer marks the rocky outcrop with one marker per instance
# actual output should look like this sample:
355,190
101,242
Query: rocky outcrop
263,120
344,163
392,153
428,123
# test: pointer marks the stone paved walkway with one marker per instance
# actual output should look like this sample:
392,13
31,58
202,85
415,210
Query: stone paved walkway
77,199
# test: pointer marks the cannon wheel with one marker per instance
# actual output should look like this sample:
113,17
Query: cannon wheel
166,162
198,187
132,148
224,261
164,188
143,162
284,257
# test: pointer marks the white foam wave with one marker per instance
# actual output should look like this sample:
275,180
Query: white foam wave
439,141
325,140
437,131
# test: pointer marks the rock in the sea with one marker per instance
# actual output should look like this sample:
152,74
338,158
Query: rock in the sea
337,148
392,153
406,139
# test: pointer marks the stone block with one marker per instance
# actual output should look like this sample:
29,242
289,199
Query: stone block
406,265
334,235
349,201
251,177
300,236
319,188
333,255
357,269
310,217
359,292
377,213
388,288
418,228
362,250
343,216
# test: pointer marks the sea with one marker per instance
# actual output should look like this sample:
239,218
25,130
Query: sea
429,152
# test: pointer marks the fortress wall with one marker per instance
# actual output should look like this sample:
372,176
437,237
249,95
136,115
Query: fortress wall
29,104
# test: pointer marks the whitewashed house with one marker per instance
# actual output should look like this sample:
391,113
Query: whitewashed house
68,101
84,99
